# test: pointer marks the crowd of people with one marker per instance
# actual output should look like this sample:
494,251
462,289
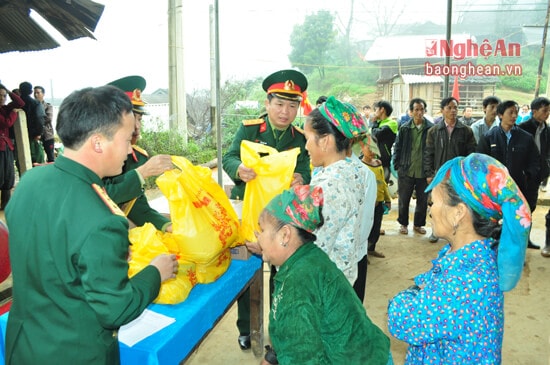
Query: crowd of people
442,162
38,115
520,144
329,219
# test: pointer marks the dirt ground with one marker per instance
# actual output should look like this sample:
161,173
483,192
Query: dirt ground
527,318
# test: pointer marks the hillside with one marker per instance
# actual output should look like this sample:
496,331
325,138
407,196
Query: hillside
518,96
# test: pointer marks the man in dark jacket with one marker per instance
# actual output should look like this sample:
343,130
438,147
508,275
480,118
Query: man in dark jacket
411,141
384,130
536,126
446,140
8,116
36,117
516,149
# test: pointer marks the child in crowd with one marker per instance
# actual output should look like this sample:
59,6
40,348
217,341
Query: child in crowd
369,148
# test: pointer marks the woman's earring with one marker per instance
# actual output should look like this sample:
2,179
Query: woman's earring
455,226
283,244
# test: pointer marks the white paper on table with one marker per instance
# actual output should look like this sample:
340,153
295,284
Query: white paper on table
143,326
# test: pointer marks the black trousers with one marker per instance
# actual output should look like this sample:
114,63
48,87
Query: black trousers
49,149
376,225
361,282
404,191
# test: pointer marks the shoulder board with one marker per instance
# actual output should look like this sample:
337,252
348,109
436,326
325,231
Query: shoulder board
140,150
127,207
108,202
298,129
249,122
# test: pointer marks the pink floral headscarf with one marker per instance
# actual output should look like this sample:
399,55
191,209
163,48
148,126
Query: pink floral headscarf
485,185
299,206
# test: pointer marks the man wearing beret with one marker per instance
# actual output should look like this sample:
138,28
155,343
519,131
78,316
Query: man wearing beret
274,128
71,290
127,188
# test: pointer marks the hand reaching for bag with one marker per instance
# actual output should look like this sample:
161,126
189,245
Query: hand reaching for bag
297,179
245,173
253,247
167,266
155,166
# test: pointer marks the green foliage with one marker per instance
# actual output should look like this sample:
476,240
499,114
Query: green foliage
170,143
232,121
529,61
350,89
524,83
165,142
343,81
311,42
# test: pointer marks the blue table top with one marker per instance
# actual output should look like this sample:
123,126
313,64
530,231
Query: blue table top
195,317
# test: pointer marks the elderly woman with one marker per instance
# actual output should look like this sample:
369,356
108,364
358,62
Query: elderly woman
315,318
329,130
454,313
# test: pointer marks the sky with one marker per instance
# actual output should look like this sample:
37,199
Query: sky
132,39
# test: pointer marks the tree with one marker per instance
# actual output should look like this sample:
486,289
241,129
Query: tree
346,35
199,124
386,15
311,42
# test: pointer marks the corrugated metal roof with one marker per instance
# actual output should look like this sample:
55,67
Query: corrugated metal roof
421,79
72,18
407,46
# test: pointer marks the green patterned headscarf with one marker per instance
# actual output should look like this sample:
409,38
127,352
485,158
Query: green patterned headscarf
343,116
299,206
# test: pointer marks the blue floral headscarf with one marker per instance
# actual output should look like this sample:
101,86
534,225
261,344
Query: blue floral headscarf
485,185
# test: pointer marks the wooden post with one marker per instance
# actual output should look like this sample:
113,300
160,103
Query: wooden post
542,50
257,313
22,142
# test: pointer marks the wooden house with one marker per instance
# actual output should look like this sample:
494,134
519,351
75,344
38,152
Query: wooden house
413,66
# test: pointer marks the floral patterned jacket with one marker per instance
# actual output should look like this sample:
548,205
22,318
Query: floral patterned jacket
457,317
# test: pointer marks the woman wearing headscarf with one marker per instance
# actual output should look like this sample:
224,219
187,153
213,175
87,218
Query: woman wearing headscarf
329,130
454,314
315,318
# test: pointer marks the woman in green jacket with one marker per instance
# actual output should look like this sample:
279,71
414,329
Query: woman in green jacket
316,317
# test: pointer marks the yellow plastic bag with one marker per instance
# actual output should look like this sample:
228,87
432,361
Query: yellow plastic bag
147,243
210,272
274,173
203,221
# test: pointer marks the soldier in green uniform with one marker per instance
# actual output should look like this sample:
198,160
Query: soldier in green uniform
284,92
127,188
71,290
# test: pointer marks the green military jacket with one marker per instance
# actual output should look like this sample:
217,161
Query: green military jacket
260,132
313,297
123,189
69,256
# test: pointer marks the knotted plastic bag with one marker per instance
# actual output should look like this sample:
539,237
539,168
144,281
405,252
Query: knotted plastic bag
147,243
274,173
203,221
